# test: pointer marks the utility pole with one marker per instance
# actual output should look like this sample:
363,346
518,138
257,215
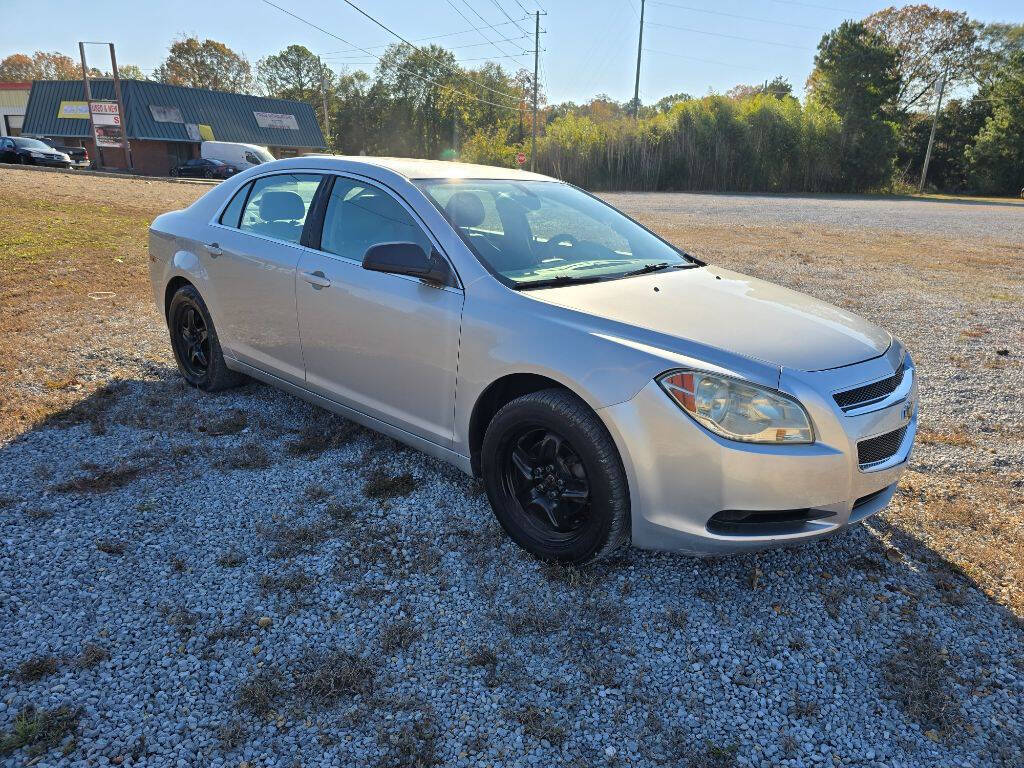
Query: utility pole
120,110
323,95
536,67
639,50
931,138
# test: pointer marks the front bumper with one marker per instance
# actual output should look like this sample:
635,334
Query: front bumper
51,162
681,475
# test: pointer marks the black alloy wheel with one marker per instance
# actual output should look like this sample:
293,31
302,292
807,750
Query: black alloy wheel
555,479
546,476
194,341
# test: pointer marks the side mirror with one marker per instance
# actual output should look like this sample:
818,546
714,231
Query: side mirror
407,259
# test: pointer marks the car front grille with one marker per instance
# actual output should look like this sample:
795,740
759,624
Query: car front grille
878,449
869,393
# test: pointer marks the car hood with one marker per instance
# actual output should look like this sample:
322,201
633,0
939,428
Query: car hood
732,312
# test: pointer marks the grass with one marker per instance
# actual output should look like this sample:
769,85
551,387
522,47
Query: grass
38,731
36,668
399,635
382,486
325,678
918,677
323,433
101,480
231,558
92,655
261,694
540,723
413,744
230,423
249,455
111,547
295,539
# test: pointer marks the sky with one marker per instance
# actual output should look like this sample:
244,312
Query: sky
587,46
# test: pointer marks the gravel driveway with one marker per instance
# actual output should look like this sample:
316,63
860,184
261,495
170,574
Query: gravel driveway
243,580
1003,220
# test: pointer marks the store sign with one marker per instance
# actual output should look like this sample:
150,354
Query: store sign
106,121
276,120
73,110
166,114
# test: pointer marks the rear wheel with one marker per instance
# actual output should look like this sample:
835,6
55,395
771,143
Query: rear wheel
194,341
207,174
555,479
174,171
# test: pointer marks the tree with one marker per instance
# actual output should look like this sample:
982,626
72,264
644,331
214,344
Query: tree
206,64
855,75
131,72
779,88
996,161
665,103
928,42
40,66
996,44
294,73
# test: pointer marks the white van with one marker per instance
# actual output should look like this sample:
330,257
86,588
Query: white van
241,156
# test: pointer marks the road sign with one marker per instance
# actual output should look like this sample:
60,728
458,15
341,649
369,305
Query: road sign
520,158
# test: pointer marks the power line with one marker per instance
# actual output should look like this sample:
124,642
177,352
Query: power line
735,16
381,60
431,37
477,29
486,23
505,13
339,54
731,37
388,29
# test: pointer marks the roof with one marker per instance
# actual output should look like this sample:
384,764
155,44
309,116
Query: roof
414,168
231,116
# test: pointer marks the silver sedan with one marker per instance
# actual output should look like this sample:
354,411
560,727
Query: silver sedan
606,386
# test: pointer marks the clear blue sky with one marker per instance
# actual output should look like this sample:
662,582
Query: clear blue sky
589,46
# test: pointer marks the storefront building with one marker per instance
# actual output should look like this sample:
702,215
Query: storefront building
165,124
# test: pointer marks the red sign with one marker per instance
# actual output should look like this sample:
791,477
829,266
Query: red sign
521,157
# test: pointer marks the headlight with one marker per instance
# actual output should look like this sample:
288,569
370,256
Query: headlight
738,410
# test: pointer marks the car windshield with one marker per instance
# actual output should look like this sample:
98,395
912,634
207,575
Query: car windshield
540,233
263,155
31,143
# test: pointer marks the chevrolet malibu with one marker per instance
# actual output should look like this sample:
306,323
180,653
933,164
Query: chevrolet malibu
606,386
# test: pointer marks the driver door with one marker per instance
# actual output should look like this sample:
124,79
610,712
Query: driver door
383,344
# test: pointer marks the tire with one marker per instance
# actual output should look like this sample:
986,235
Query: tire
174,172
207,174
576,513
196,347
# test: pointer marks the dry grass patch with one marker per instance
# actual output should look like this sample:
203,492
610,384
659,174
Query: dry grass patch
959,438
539,722
287,582
39,731
92,655
382,485
399,635
261,694
101,479
36,668
325,678
249,455
918,678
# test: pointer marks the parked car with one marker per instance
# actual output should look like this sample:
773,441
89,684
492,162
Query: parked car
239,155
604,385
26,151
79,155
204,169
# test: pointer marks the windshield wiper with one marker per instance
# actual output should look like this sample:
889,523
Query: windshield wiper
646,268
553,282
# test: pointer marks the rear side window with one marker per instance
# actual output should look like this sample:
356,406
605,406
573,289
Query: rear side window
233,212
360,215
278,205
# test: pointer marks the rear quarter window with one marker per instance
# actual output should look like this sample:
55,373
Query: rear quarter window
233,212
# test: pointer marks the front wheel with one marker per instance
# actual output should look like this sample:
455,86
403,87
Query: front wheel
555,479
194,341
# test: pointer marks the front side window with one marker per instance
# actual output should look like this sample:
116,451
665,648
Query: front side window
537,233
278,205
251,158
360,215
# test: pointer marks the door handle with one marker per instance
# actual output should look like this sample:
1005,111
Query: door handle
214,249
317,279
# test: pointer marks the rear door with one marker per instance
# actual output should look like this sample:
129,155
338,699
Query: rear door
386,345
254,252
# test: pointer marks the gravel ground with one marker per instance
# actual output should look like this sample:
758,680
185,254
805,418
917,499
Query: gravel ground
242,579
948,217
